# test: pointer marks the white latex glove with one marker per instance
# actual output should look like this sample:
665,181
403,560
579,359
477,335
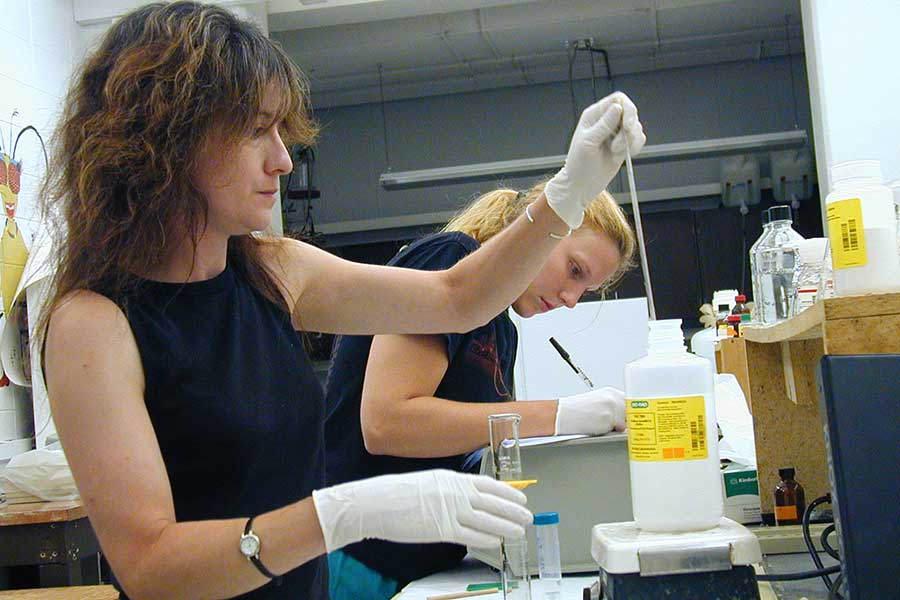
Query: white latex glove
422,507
594,412
596,152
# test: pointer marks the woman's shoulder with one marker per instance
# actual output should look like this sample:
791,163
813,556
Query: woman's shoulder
82,312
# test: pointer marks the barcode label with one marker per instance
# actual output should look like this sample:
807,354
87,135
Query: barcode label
847,233
850,236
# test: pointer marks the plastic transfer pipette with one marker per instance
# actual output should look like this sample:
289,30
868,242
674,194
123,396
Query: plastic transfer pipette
642,250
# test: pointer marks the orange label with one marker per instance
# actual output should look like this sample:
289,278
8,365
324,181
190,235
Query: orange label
786,513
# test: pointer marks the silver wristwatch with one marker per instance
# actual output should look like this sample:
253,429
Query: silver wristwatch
250,545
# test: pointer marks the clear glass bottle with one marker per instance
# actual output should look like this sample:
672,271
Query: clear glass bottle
673,451
755,316
895,191
809,274
546,529
778,256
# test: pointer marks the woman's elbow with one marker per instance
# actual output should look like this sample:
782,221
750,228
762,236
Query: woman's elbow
377,437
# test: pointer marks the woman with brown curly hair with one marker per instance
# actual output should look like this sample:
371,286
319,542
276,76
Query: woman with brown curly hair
180,389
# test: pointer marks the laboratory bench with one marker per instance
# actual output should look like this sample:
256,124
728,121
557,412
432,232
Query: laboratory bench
54,537
81,592
472,571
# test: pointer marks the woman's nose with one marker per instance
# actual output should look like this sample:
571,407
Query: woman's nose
279,160
569,298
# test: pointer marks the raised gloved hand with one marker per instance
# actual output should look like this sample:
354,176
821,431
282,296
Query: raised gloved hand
595,154
425,506
594,412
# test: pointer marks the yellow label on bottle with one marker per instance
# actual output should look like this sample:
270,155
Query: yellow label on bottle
846,233
666,429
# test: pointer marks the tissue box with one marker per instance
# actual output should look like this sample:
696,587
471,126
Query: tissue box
741,493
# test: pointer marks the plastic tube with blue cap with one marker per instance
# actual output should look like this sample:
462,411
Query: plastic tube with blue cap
546,528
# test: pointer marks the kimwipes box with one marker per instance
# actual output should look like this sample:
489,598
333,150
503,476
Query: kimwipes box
741,493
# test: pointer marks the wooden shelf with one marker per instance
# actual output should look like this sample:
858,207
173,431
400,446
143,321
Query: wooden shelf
776,367
813,322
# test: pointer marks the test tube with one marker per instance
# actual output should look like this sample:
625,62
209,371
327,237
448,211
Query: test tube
504,438
506,463
546,529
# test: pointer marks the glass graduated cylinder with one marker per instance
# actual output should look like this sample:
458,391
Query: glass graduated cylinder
515,579
504,440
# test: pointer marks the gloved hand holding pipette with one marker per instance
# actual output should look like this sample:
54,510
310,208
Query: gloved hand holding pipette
424,506
595,412
595,155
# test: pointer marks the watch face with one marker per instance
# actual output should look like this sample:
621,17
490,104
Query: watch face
249,545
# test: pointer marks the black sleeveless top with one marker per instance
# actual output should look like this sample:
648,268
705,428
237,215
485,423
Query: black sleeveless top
235,404
480,369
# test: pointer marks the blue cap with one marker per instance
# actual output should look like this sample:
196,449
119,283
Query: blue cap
547,518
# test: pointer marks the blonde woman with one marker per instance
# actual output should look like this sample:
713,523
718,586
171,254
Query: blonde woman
400,403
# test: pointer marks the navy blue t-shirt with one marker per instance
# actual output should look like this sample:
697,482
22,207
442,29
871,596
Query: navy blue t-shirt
480,370
235,405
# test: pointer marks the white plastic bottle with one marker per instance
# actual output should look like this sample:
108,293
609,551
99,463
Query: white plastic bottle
676,484
862,229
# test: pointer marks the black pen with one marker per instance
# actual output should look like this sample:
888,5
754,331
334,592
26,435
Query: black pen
565,357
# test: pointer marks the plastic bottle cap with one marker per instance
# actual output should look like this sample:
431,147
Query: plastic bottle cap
786,472
740,298
546,518
856,169
780,213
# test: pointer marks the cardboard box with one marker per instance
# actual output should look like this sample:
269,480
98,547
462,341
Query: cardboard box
741,493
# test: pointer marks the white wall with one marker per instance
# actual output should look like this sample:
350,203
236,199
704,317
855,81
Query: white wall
676,105
39,44
851,49
39,41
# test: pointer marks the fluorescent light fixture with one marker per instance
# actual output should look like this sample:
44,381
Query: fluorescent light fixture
765,142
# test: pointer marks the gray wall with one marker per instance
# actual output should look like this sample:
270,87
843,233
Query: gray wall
729,99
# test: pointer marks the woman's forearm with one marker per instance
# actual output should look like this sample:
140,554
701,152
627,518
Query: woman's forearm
430,427
487,281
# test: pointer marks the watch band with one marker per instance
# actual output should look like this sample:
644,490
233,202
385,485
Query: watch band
248,530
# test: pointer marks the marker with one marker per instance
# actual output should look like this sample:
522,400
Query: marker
565,357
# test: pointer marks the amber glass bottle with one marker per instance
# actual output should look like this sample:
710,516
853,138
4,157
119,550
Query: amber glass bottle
741,308
790,501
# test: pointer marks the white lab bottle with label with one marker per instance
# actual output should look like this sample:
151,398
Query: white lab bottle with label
676,484
862,230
